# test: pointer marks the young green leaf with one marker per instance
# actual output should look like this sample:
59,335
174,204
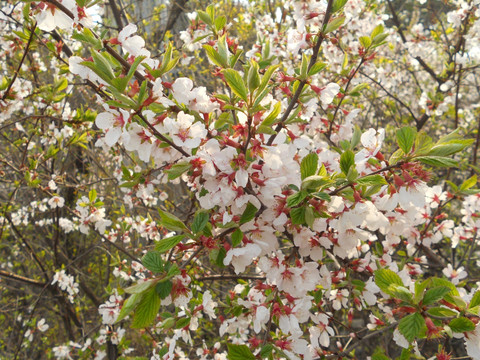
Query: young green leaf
147,310
167,243
177,170
164,289
309,165
239,352
296,199
334,24
475,300
153,261
437,161
215,57
435,294
129,306
372,180
237,237
248,214
270,119
235,82
406,138
171,222
385,277
140,287
411,326
199,221
297,215
461,324
347,160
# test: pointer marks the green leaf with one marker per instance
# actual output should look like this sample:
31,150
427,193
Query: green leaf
129,306
164,289
173,271
385,277
223,48
153,261
475,300
220,22
297,198
140,287
309,165
406,138
315,182
461,324
121,82
200,221
217,256
338,5
235,82
167,243
297,215
92,195
87,36
304,67
204,17
469,183
372,180
248,214
272,117
411,326
178,169
334,24
171,222
377,31
102,64
262,129
347,160
406,354
183,322
448,148
400,292
435,294
237,237
441,312
146,310
454,135
316,68
420,287
365,41
322,196
215,57
379,39
309,216
239,352
253,78
437,161
264,83
266,350
423,143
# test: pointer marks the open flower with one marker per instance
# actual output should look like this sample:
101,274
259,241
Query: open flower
184,131
112,122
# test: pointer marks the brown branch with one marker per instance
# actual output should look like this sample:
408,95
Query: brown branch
398,24
313,60
27,245
390,94
116,14
332,122
20,278
229,277
359,342
174,12
32,34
